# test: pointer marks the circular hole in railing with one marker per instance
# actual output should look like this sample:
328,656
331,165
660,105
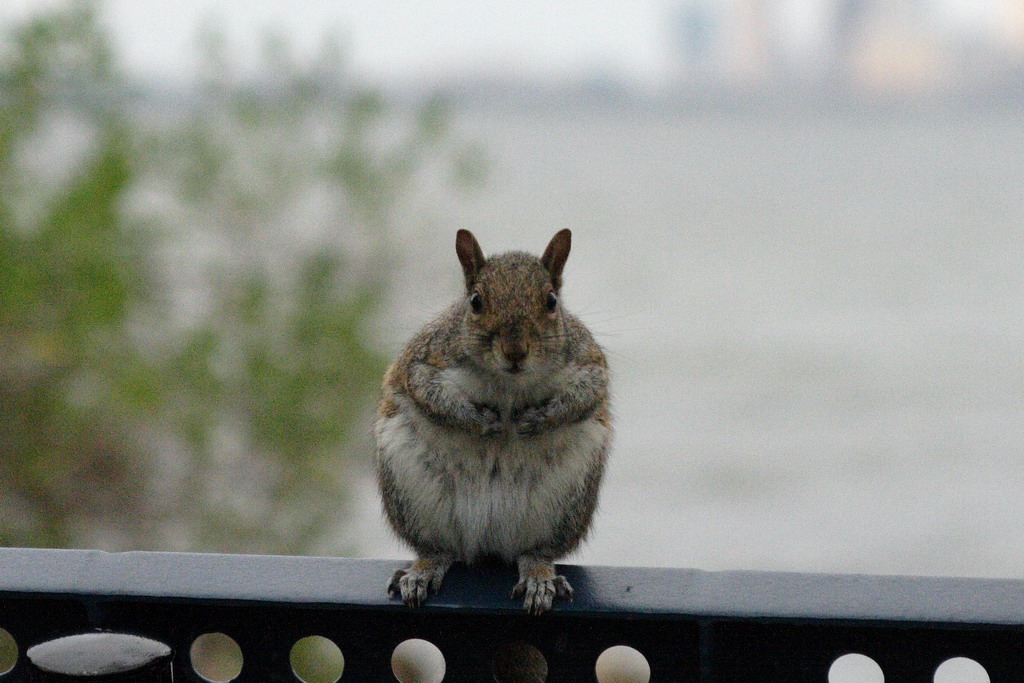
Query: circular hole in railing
519,662
8,652
622,664
316,659
961,670
216,657
855,668
417,661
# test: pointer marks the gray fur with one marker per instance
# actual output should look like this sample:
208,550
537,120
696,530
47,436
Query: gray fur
494,429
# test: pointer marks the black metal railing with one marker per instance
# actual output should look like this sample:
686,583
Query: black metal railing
684,625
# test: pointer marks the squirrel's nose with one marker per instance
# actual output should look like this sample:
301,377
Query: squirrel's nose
514,353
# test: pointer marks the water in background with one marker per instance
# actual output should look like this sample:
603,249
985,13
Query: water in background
815,323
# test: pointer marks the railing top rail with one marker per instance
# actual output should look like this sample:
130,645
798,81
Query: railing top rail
338,582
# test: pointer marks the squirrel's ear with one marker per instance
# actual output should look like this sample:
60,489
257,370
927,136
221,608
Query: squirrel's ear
470,255
555,255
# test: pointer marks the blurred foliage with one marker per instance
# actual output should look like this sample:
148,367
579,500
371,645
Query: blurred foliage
186,277
316,659
8,652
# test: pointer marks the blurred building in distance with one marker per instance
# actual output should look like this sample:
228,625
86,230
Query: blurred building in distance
873,46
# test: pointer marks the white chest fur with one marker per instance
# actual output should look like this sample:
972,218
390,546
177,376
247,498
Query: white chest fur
487,496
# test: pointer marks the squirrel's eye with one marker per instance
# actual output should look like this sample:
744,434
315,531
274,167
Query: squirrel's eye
551,302
476,302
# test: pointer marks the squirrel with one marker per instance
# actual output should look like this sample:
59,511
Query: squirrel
494,427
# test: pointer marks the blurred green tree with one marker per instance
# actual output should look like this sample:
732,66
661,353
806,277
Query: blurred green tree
186,280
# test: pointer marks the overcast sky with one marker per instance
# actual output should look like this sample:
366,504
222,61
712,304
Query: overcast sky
405,39
412,40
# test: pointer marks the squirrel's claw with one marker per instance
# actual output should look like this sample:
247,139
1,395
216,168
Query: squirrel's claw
394,587
539,594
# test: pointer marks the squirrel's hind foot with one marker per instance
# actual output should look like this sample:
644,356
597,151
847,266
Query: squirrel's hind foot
539,594
418,581
539,585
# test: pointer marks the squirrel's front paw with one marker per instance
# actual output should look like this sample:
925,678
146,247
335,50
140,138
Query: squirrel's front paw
489,420
539,594
529,420
415,585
